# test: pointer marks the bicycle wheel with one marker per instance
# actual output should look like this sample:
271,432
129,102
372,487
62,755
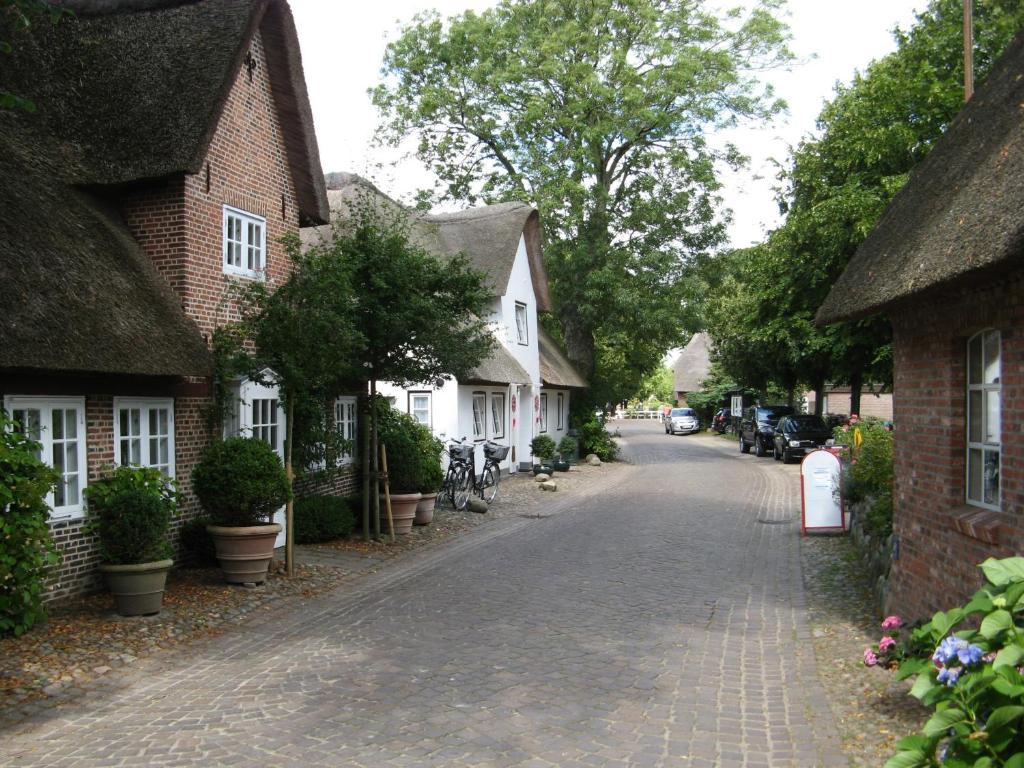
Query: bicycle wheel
489,483
462,488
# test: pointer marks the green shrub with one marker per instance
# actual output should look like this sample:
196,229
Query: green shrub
567,447
240,482
543,447
26,547
130,509
405,441
197,545
323,518
868,472
972,677
432,475
594,438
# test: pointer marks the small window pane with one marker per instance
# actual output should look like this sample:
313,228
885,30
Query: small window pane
974,361
992,417
992,364
57,422
975,416
974,474
71,494
991,476
71,452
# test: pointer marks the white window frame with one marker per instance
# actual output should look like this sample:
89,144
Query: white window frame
247,245
522,328
497,410
46,406
429,397
479,416
984,391
543,415
146,405
560,410
346,421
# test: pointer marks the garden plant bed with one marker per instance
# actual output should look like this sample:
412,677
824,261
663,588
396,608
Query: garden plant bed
872,709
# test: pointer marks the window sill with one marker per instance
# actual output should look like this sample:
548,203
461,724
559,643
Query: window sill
975,523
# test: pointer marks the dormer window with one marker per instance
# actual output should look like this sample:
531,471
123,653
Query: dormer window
245,243
522,324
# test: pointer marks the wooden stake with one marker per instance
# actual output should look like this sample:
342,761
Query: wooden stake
387,489
968,50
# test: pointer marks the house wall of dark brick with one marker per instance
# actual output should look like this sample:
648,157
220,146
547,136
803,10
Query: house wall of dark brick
941,538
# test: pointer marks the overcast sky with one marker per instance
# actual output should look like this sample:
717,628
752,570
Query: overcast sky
343,46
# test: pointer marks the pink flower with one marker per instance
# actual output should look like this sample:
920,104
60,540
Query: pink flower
886,643
870,659
845,428
892,622
854,418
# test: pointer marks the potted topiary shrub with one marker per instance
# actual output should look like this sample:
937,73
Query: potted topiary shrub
130,509
400,434
543,448
241,483
566,453
431,475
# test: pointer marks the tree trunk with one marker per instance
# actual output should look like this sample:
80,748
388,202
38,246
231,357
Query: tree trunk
374,459
365,437
819,397
289,513
579,342
856,385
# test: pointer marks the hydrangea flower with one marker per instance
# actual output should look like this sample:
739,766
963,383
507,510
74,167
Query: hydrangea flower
870,659
949,675
886,643
956,648
892,622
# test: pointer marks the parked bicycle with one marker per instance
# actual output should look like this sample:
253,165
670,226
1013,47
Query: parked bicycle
458,480
487,484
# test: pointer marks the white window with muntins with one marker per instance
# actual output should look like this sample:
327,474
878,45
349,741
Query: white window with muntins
542,415
144,433
245,243
984,419
497,414
345,419
419,407
58,425
479,415
522,324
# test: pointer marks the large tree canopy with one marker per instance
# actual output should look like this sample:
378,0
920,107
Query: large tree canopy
599,112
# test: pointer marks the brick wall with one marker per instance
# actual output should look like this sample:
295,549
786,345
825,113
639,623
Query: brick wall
941,538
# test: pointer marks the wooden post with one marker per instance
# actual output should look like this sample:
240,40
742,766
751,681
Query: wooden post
375,458
289,514
387,489
968,50
366,468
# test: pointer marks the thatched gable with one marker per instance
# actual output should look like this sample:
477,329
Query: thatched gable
79,294
960,214
693,365
488,235
498,368
130,90
556,370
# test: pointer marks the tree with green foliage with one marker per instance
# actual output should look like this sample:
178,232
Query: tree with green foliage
599,113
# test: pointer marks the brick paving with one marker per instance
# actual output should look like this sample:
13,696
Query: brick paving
660,621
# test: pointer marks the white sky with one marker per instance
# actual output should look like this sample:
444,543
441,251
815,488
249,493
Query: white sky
343,46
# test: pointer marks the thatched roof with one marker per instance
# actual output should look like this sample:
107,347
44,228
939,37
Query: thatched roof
693,364
556,370
961,213
488,235
129,90
78,292
499,368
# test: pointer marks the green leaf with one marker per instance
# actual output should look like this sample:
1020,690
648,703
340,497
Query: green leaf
924,683
983,762
909,759
942,721
995,624
1015,761
943,622
1004,716
1005,571
917,741
1010,656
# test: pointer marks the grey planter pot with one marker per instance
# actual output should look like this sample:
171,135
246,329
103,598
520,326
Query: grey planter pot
138,589
244,552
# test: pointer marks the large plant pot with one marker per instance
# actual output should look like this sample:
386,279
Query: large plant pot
545,469
244,552
403,510
138,589
560,466
425,509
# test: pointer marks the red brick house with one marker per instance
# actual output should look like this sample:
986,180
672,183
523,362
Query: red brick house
945,264
171,148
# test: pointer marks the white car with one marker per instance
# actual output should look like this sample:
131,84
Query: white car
681,421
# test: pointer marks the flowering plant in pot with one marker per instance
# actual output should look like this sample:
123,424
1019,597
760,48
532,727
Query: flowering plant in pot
241,483
401,436
566,452
130,509
543,448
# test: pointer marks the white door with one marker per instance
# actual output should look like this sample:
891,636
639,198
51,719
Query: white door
260,415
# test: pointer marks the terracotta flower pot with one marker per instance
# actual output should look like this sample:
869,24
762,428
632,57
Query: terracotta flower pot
403,510
425,509
244,552
138,589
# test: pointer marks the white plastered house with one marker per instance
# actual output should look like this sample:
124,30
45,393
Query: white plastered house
524,387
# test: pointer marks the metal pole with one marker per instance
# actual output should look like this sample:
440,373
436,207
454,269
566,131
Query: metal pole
968,50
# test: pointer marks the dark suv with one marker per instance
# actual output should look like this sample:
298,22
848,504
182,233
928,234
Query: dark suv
797,435
757,427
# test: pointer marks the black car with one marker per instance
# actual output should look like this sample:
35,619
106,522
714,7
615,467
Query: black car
757,427
796,435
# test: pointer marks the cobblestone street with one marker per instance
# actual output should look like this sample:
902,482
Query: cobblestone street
656,621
